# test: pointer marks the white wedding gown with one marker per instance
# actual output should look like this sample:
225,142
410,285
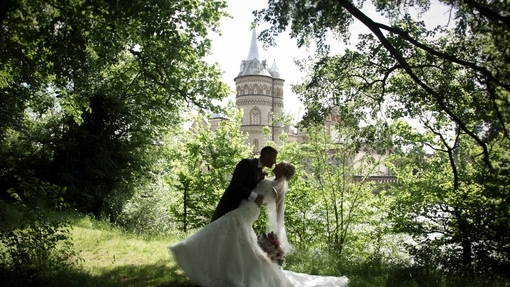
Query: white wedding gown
225,253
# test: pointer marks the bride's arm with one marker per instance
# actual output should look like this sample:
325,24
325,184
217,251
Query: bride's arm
264,188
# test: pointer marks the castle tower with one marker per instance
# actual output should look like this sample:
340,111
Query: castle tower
259,93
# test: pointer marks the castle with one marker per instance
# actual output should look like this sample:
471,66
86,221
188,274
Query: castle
259,94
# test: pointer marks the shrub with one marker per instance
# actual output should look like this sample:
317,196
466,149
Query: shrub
33,244
147,212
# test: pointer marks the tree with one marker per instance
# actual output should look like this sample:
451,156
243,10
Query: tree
405,46
201,163
452,81
455,224
346,198
115,75
328,210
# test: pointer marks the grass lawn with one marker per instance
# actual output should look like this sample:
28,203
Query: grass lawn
109,257
114,258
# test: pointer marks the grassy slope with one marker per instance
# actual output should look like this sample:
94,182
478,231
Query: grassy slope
114,258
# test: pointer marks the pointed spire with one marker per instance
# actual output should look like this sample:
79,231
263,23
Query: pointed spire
275,72
254,51
274,67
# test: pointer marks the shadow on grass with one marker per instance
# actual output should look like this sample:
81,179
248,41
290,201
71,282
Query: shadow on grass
376,274
154,275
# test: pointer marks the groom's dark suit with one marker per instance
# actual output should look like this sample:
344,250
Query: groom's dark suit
243,181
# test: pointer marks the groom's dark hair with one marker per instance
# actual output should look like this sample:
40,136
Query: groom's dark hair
268,149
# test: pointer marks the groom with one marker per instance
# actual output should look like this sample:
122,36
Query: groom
247,174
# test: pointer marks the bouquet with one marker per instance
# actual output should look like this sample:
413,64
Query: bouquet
271,245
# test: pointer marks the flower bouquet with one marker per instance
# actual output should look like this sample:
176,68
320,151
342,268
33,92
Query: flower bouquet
271,245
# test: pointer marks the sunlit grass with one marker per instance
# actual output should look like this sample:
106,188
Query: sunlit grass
105,250
111,257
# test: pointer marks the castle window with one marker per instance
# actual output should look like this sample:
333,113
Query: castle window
246,91
255,145
255,91
255,116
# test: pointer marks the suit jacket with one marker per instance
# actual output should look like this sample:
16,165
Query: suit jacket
241,185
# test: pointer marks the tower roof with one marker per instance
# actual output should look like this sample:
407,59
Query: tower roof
253,66
254,50
275,72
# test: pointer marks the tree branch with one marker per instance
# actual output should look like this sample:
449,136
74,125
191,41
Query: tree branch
492,94
489,14
375,28
451,58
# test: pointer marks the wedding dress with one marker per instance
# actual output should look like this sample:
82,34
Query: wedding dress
225,253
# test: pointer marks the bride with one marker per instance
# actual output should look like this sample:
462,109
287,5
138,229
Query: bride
226,253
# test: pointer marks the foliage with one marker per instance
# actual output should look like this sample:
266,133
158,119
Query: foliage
190,171
147,212
330,208
89,87
454,222
200,163
349,205
460,70
450,81
114,258
34,245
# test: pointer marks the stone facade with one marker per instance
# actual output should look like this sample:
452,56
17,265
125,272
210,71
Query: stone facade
259,94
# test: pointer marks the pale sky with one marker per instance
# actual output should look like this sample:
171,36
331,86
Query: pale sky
233,46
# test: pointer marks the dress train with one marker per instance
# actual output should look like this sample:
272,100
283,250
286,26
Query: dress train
225,253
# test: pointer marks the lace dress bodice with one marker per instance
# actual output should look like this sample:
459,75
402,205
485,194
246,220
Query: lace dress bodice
249,210
266,188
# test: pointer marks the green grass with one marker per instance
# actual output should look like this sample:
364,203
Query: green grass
111,257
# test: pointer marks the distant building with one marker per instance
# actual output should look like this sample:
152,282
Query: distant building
259,94
214,120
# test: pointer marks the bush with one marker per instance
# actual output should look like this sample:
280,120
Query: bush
147,212
33,245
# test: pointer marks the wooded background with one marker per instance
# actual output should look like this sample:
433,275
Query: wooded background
94,97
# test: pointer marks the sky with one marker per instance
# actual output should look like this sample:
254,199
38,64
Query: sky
229,49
